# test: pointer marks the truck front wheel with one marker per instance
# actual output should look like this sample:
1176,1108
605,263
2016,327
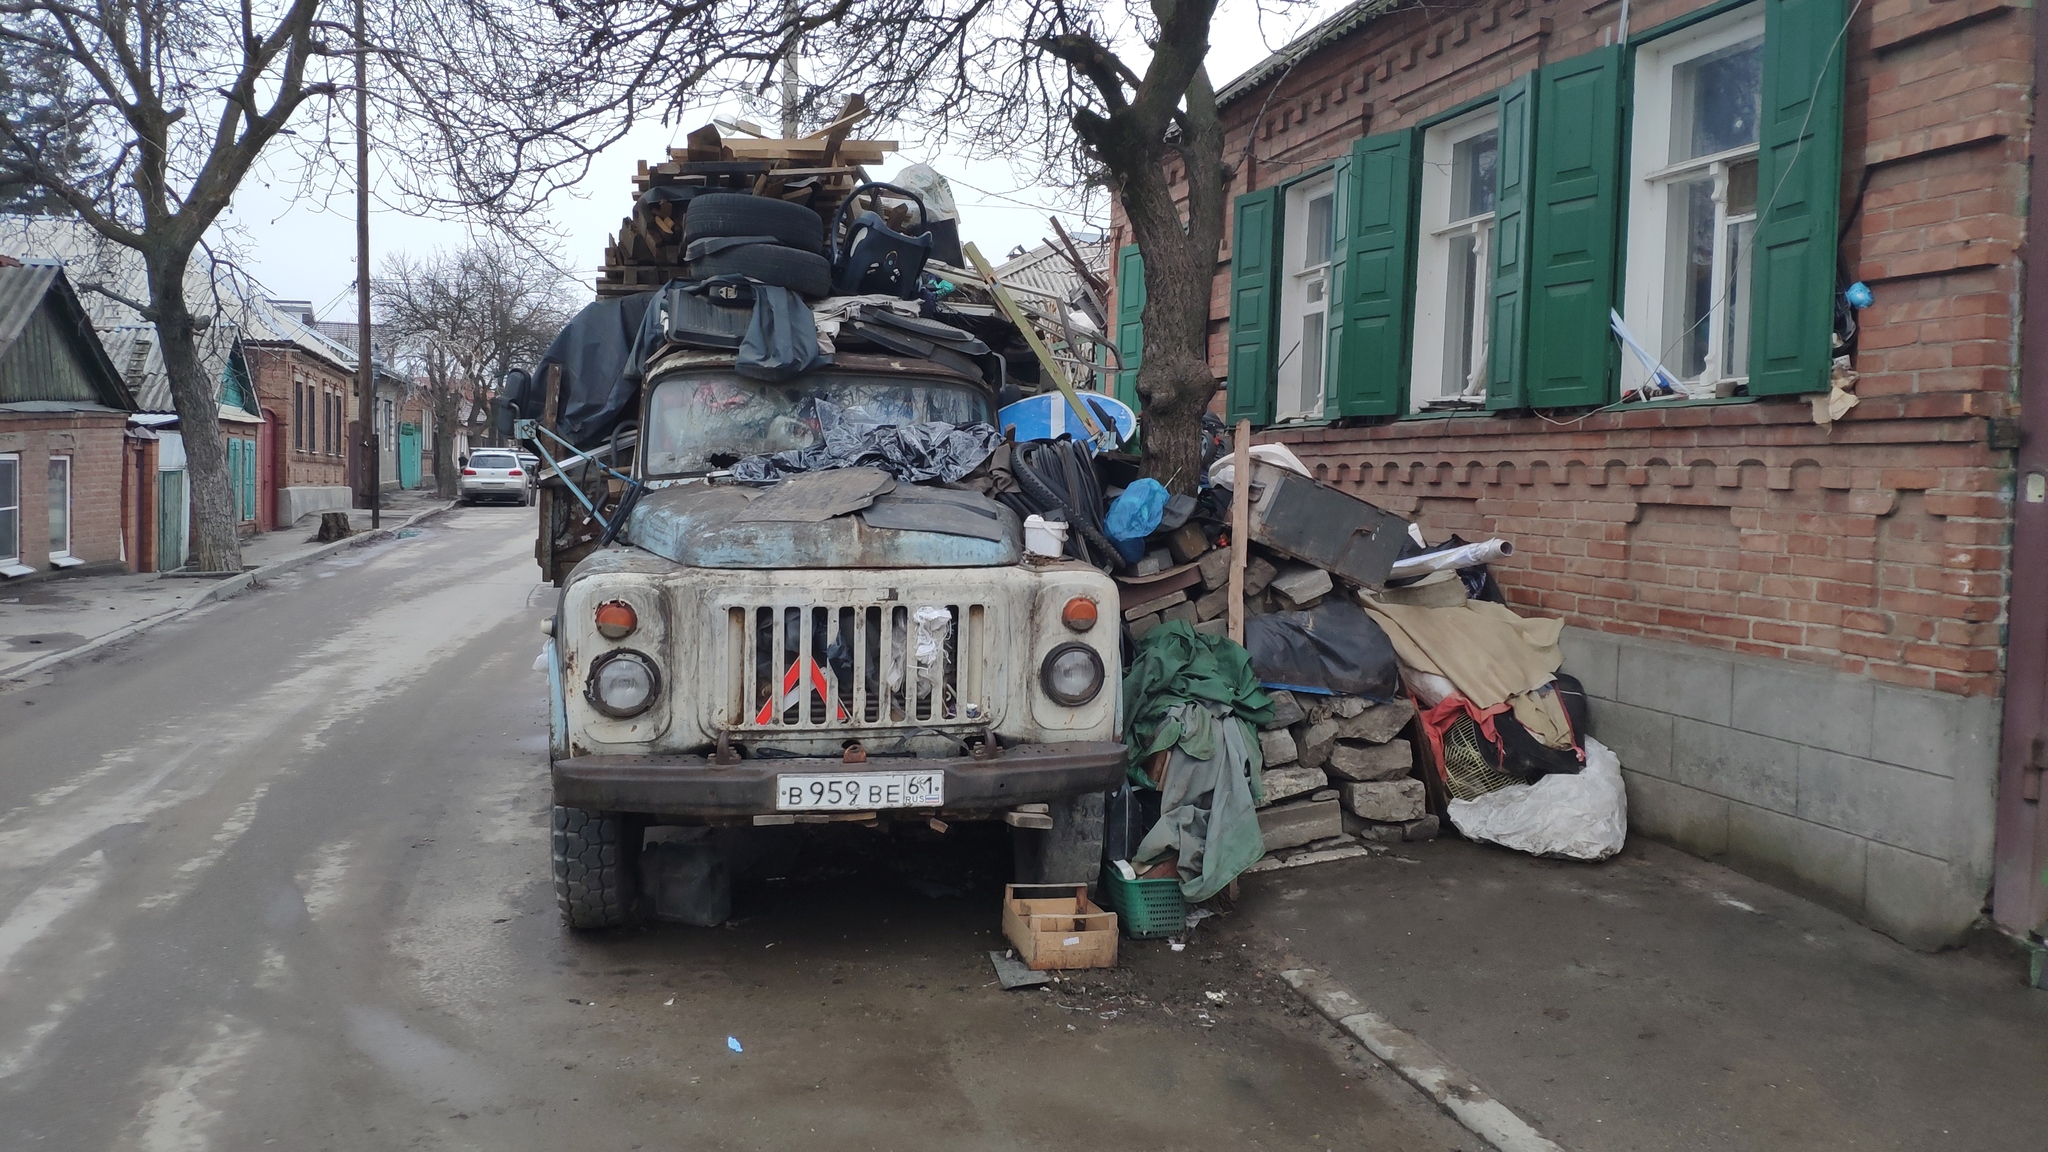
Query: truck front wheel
597,858
1070,852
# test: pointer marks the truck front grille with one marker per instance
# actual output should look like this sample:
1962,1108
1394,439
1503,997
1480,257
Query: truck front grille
851,666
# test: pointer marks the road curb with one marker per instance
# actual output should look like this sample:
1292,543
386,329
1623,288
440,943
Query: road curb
1450,1086
224,590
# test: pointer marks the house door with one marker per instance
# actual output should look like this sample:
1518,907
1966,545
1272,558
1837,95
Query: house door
266,473
170,521
408,455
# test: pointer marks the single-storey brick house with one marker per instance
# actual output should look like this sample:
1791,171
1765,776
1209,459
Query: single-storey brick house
63,429
1791,612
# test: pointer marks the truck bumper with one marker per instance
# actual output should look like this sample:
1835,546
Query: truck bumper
693,786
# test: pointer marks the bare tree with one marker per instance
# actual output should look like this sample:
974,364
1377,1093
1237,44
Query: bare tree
459,320
1113,97
485,106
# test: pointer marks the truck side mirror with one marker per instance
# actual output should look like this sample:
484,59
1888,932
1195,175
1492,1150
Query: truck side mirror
505,412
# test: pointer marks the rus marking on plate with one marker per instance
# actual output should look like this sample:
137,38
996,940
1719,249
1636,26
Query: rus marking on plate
860,791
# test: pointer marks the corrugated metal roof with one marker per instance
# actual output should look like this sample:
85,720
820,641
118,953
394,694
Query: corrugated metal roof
22,287
1338,26
1045,269
235,307
26,288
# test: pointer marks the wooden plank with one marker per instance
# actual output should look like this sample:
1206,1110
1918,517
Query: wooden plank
1240,525
1031,337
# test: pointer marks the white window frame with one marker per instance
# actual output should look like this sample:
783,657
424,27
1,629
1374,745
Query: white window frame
1435,235
1298,281
10,550
62,557
1646,304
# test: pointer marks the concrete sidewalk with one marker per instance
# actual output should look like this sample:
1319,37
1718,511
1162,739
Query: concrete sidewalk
57,615
1657,1001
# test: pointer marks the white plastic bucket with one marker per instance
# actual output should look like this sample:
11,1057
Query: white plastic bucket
1042,537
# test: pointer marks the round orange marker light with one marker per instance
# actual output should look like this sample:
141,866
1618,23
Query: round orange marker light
1079,614
616,619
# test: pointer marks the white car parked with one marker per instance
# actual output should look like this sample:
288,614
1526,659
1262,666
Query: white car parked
495,474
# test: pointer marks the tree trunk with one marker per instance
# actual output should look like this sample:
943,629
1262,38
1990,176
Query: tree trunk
1174,382
446,477
215,545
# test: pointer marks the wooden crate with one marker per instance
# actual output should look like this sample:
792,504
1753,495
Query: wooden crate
1057,926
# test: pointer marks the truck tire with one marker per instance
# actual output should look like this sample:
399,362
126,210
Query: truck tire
741,214
807,272
1070,852
596,857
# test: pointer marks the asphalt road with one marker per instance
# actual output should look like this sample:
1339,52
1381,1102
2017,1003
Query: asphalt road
276,875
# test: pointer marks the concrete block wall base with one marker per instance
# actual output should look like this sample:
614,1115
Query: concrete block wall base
293,503
1874,800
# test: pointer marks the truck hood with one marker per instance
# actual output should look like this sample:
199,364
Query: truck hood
834,521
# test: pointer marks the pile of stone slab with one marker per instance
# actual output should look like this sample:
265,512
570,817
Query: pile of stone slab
1336,770
1188,579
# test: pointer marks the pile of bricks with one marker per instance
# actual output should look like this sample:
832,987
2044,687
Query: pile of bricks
1337,770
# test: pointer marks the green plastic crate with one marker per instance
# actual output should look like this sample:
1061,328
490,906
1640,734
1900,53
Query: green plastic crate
1147,909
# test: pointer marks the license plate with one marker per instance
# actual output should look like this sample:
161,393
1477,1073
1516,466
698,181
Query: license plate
860,791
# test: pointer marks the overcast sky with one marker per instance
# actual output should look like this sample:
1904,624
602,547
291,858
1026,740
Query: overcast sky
303,249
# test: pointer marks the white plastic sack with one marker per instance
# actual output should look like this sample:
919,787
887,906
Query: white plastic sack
1581,817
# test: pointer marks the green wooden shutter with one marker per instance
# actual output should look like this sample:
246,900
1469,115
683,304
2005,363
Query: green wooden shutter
248,479
1254,303
1371,377
1575,200
1130,322
1507,321
1799,177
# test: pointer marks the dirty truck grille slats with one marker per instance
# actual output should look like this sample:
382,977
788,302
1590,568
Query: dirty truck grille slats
837,667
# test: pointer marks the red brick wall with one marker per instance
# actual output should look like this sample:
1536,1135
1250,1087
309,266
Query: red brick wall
1877,546
93,441
276,370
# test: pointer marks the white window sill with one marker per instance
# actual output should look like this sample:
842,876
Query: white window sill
65,561
12,570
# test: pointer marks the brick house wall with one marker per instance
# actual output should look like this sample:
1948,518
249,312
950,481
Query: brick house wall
312,461
93,440
1793,632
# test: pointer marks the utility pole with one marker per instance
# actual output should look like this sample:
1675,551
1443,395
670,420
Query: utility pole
366,372
790,90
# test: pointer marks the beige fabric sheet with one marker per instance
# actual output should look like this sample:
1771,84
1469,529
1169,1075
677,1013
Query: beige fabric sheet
1486,650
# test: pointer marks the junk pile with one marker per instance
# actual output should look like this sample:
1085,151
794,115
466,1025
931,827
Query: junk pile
1382,689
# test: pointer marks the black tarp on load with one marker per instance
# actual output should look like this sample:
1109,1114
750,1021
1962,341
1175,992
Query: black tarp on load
600,362
603,352
1333,649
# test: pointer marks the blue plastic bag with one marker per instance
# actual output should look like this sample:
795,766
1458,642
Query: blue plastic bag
1135,514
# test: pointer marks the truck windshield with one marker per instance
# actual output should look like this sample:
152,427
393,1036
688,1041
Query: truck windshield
700,423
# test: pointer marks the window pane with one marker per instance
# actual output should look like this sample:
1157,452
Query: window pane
1312,337
1321,233
1742,188
1690,289
1472,174
60,505
1740,236
1458,314
1717,101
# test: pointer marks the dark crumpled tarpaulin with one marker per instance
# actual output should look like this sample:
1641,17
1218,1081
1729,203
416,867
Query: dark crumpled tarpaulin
1193,696
931,450
1333,649
600,357
782,339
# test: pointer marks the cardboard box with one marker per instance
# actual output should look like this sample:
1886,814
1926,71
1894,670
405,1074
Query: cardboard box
1057,926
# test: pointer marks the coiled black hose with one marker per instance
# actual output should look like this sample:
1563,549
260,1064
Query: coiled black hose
1058,481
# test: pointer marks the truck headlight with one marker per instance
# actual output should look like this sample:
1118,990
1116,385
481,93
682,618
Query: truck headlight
1072,674
622,683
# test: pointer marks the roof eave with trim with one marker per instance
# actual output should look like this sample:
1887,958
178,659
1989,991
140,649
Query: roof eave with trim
1302,47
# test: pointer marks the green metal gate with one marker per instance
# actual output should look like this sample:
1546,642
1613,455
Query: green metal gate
408,455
